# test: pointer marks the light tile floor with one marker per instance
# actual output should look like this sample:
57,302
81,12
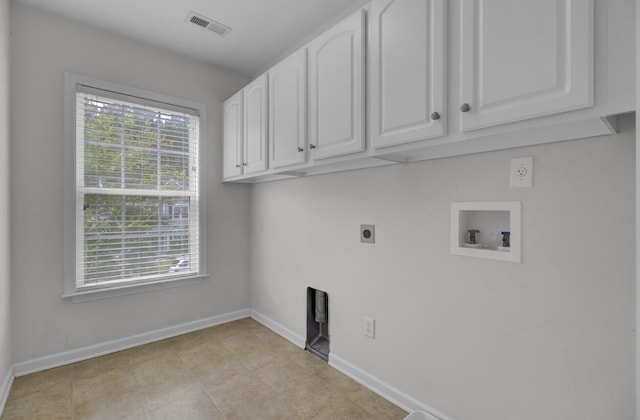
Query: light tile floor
239,370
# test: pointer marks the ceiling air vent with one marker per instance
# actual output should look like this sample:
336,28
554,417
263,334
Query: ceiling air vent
210,24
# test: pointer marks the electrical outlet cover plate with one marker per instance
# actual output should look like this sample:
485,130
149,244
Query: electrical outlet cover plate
369,327
368,234
522,172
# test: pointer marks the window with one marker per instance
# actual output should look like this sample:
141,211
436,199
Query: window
135,200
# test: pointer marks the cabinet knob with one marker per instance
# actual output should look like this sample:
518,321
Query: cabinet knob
435,116
244,164
312,146
237,165
465,107
300,149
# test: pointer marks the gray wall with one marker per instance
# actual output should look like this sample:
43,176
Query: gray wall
5,322
552,337
43,47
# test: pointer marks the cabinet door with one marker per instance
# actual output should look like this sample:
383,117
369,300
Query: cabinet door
232,161
288,111
255,126
524,59
336,89
407,70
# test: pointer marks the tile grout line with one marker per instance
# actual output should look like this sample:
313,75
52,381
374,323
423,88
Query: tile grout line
200,384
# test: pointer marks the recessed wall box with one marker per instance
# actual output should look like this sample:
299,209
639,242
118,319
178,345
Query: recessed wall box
489,230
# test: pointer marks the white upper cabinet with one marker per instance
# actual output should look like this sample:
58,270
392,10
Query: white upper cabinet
336,89
410,80
255,126
407,46
233,137
523,59
288,111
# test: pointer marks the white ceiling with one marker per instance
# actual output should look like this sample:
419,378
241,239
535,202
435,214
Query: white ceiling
262,30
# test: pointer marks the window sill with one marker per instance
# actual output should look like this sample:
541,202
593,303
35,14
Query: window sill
130,289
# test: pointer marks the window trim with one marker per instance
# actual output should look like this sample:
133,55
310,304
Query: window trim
71,82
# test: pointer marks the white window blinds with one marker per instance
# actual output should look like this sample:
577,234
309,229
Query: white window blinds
137,189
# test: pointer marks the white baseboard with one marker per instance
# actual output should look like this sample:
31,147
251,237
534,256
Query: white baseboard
383,389
84,353
279,329
5,387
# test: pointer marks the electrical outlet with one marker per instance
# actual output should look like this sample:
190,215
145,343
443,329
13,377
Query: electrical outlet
368,234
369,327
521,172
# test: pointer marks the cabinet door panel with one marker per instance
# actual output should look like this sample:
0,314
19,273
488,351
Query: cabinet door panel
288,111
255,126
336,76
524,59
407,70
232,155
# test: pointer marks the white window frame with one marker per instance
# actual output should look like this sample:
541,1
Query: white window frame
71,290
